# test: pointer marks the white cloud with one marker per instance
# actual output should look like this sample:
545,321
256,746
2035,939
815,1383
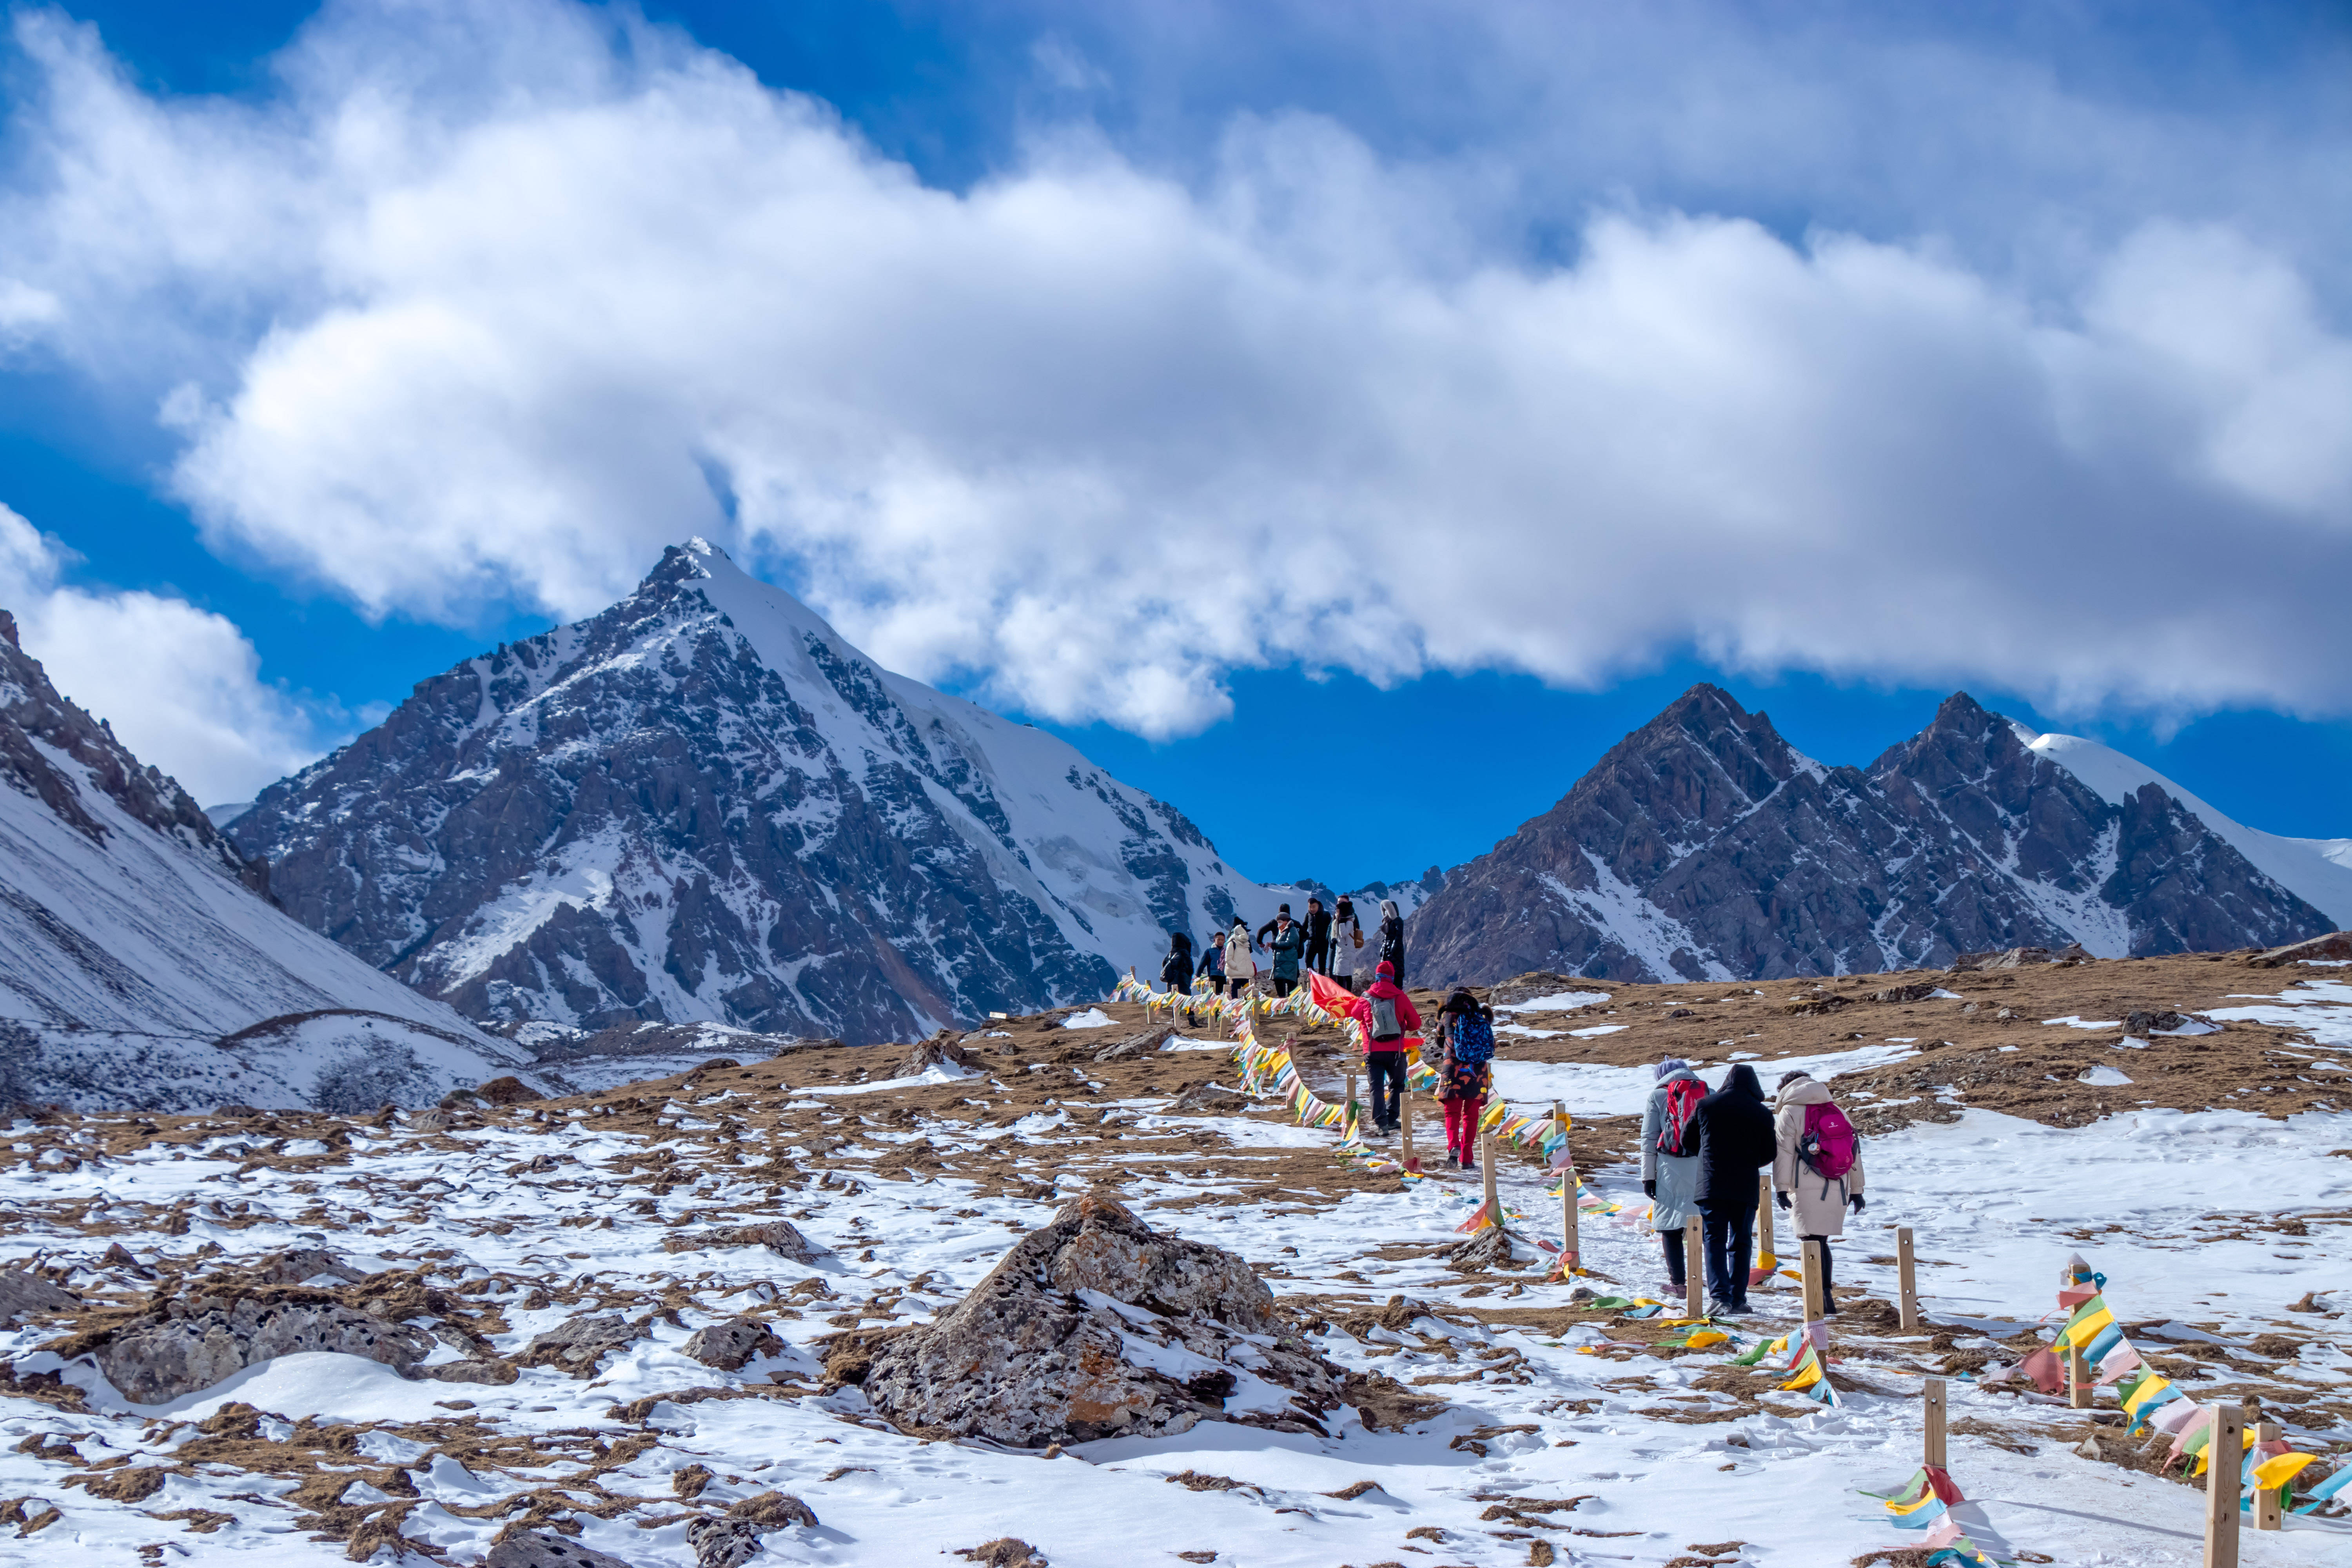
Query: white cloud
180,685
535,292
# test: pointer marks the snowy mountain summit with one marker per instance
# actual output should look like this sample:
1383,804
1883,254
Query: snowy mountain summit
140,964
703,804
1703,846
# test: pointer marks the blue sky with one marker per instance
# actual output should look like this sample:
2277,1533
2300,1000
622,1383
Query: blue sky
1259,395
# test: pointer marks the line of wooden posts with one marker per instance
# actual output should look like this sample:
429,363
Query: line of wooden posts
2222,1484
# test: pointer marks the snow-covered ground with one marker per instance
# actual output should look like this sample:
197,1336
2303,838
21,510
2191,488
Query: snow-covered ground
2175,1209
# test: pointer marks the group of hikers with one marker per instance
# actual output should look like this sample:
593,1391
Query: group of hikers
1700,1155
1701,1151
1326,942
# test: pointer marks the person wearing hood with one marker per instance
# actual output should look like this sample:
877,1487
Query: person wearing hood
1670,1158
1388,1016
1241,965
1392,951
1176,969
1816,1166
1736,1139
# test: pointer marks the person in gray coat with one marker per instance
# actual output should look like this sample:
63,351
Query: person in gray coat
1670,1180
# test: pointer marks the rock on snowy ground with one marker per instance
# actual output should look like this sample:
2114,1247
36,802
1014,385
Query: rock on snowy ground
569,1333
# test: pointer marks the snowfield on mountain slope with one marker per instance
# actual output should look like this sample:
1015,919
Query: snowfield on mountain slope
913,1191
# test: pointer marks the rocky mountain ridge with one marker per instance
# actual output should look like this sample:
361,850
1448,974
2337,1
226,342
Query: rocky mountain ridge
1704,847
702,805
142,965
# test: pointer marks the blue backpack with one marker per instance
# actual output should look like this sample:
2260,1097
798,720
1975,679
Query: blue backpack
1474,1038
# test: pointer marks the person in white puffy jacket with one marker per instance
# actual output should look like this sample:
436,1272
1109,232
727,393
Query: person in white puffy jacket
1818,1203
1241,964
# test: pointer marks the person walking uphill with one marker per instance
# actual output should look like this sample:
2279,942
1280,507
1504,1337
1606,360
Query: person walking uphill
1286,941
1392,938
1466,1071
1816,1166
1736,1139
1670,1158
1388,1016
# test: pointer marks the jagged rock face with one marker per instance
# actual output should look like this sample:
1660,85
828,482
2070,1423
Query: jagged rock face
31,711
703,804
1704,847
1097,1326
140,964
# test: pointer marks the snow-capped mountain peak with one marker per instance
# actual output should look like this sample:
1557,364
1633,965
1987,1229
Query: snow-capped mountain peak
704,803
2317,870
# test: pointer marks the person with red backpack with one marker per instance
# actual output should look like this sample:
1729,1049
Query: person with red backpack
1670,1158
1388,1016
1816,1166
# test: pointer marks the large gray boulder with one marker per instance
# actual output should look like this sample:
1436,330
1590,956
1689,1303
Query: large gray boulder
1097,1326
190,1346
544,1549
728,1345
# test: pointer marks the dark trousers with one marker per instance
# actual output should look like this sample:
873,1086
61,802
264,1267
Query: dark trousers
1731,1236
1672,1242
1384,1076
1279,985
1319,958
1829,1302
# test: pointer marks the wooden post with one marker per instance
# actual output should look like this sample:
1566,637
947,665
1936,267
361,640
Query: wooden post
2267,1512
1404,1130
2224,1456
2078,1378
1570,1243
1349,1104
1693,1270
1906,1276
1487,1170
1812,1281
1934,1413
1763,1212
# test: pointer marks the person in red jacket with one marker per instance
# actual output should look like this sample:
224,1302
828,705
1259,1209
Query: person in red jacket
1388,1016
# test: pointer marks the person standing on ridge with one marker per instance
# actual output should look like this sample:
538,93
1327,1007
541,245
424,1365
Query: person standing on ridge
1286,941
1318,937
1347,936
1736,1139
1388,1016
1241,965
1176,969
1670,1158
1213,963
1817,1160
1465,1071
1392,938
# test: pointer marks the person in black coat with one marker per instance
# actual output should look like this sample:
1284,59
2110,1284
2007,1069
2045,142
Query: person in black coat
1735,1138
1176,969
1392,939
1318,937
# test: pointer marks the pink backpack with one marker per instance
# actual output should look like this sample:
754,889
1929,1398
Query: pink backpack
1827,1145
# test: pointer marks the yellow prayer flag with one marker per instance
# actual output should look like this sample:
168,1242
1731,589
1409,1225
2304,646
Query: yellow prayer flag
2280,1468
2090,1328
